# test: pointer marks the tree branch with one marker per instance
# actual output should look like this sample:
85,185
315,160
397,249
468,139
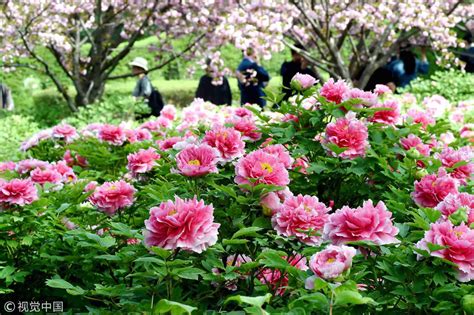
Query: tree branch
175,56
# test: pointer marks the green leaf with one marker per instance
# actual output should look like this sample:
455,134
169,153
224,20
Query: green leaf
256,301
273,259
154,260
348,297
435,247
247,231
188,273
165,306
234,242
63,284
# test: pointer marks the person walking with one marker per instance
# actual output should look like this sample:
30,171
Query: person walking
289,68
6,99
143,88
252,78
407,67
218,94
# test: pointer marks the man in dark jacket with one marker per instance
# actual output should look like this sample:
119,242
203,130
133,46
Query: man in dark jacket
252,79
289,68
6,100
218,94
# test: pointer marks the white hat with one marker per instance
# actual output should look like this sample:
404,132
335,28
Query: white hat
140,62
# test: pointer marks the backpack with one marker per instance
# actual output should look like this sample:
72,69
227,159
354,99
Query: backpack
155,101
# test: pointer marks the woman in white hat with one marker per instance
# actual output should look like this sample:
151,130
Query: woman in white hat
143,88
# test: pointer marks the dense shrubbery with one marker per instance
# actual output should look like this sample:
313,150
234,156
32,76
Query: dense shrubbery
453,85
337,202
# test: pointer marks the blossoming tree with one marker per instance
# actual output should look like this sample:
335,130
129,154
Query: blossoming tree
351,39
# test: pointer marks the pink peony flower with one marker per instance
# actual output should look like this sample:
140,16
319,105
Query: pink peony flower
18,192
273,201
168,143
26,166
367,98
459,240
65,131
281,153
142,161
413,141
227,141
419,117
259,167
67,173
277,280
74,160
366,223
47,175
381,89
450,157
453,202
432,189
237,260
196,160
334,91
7,166
301,165
332,262
243,112
186,224
112,196
303,217
302,82
387,116
447,138
142,134
246,126
133,241
347,133
114,135
168,112
91,186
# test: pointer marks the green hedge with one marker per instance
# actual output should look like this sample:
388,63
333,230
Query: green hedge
454,85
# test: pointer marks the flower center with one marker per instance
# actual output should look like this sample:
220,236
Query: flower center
266,167
113,187
194,162
307,209
458,234
331,260
172,212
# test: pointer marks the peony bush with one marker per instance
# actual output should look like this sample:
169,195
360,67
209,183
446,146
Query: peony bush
337,201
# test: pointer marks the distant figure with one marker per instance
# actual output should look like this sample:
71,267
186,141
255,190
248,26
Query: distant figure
6,99
252,78
407,67
144,89
210,92
381,76
289,68
468,54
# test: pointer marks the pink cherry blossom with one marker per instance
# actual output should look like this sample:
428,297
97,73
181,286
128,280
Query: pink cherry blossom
142,161
366,223
303,217
182,223
432,189
458,240
259,167
197,160
18,192
112,196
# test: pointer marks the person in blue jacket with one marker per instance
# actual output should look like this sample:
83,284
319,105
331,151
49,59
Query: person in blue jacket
407,67
252,78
